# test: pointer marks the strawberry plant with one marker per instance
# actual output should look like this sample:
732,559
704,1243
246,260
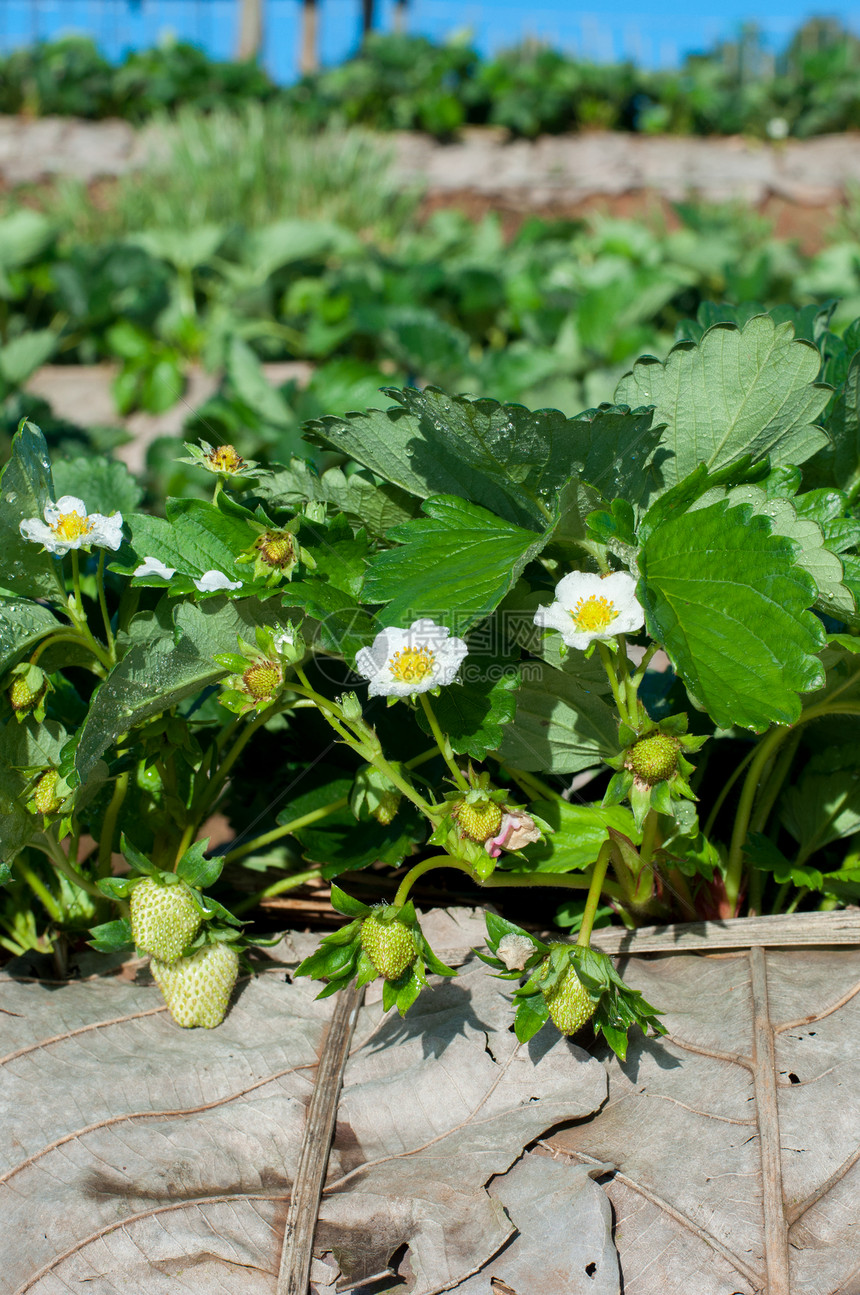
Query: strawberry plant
395,667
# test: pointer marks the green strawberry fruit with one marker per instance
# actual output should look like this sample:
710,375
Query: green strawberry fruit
654,758
163,918
45,795
569,1002
479,821
390,946
197,989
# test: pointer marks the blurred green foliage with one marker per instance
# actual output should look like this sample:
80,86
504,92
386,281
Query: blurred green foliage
399,82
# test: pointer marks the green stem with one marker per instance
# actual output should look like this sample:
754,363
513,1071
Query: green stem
533,787
801,894
627,690
437,861
443,743
649,837
763,753
718,803
609,666
76,584
773,785
187,837
100,582
277,888
218,779
52,849
277,832
64,636
109,824
373,755
39,889
592,901
643,665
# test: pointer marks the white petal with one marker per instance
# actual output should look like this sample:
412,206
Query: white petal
106,532
37,532
154,567
65,504
213,581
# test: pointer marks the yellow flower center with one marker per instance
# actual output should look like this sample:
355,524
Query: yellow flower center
225,459
412,665
71,526
593,614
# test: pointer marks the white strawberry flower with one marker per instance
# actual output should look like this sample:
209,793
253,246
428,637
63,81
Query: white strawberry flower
402,663
154,567
214,581
68,525
589,607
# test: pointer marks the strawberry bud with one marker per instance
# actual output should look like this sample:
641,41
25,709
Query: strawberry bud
569,1002
653,759
163,918
197,989
390,946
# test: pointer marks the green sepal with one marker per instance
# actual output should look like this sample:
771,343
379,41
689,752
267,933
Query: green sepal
433,964
335,986
366,970
619,788
197,870
640,802
345,904
531,1014
210,908
329,961
111,937
661,797
231,661
116,887
498,927
136,860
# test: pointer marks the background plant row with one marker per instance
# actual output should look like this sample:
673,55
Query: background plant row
203,259
408,82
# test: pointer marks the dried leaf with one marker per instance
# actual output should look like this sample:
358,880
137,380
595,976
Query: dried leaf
140,1157
736,1139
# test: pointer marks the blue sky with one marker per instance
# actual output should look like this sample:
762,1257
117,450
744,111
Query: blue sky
655,34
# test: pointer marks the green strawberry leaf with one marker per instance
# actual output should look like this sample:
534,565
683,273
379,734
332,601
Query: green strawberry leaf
474,711
737,392
578,833
26,485
158,674
765,855
729,603
561,726
23,624
105,485
454,565
503,457
376,507
193,538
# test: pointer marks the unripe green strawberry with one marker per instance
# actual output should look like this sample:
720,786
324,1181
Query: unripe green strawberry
197,989
45,795
263,679
163,919
569,1003
479,822
653,758
390,946
23,697
385,810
